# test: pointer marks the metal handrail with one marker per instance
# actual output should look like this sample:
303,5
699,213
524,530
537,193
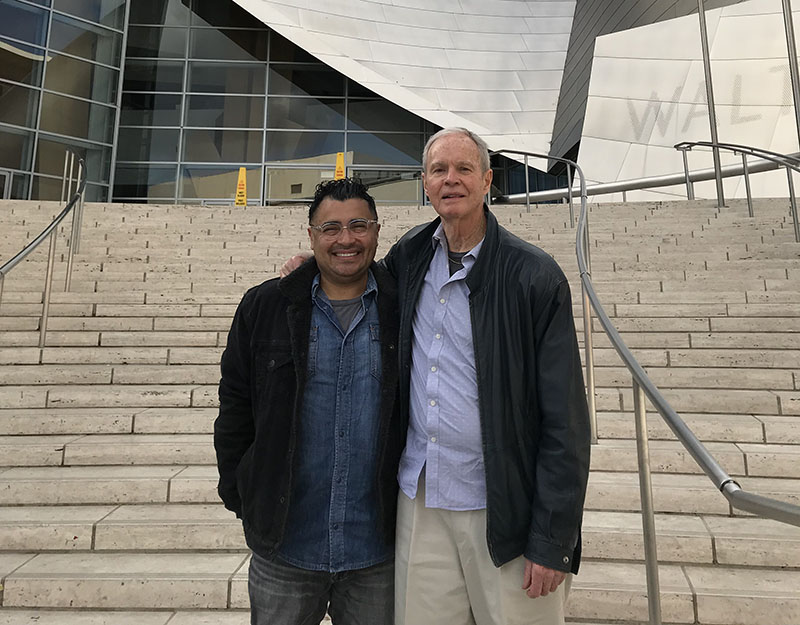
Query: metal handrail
636,184
76,200
587,321
643,387
790,163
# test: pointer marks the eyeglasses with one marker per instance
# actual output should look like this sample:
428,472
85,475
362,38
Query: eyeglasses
332,229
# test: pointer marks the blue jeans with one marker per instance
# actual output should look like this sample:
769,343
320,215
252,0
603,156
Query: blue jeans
281,594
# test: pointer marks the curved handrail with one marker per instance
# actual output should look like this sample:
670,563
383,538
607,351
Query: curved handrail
790,163
23,253
738,498
50,231
635,184
789,160
644,386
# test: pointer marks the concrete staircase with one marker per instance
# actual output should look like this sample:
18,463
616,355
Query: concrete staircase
108,509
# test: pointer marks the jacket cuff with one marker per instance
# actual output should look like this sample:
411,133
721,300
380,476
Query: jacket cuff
551,555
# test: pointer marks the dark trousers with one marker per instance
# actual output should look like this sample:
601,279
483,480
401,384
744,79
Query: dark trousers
281,594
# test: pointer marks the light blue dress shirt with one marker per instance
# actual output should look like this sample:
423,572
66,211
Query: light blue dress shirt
444,433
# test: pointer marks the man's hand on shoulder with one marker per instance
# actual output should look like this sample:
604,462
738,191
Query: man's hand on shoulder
539,581
294,262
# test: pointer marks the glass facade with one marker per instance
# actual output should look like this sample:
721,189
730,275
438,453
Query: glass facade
59,84
208,89
168,99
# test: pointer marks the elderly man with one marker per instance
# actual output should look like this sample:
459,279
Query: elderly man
308,436
493,476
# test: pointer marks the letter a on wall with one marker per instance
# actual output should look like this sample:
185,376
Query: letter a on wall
241,188
339,166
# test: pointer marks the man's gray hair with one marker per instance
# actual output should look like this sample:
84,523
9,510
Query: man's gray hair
483,149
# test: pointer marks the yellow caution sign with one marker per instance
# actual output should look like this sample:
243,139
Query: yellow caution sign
241,188
339,166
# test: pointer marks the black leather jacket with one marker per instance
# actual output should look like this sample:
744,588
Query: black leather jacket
260,400
534,418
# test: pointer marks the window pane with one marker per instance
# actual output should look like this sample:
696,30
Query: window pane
226,78
219,111
236,45
216,13
304,147
145,182
21,63
305,80
76,118
82,79
150,109
22,21
161,12
153,41
17,148
153,76
19,186
18,105
385,149
356,90
305,113
50,157
381,115
46,188
218,182
222,146
392,186
281,49
294,184
147,144
81,39
106,12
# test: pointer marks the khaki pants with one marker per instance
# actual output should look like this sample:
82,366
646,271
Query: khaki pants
444,574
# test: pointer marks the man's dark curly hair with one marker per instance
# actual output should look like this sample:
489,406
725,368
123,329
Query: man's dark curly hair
341,190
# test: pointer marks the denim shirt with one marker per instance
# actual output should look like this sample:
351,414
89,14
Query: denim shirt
333,510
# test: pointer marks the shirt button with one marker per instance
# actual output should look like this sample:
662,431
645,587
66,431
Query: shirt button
438,336
433,402
336,526
566,560
442,301
338,480
341,434
433,368
433,439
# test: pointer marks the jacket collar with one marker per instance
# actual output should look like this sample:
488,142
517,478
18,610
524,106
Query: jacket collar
297,285
480,271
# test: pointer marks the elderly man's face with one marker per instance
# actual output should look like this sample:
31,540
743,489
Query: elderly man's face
453,178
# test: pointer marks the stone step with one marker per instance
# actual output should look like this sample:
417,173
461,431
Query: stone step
718,595
20,616
129,581
602,591
677,493
693,539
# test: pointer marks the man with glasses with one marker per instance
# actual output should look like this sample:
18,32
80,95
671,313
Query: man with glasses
494,472
308,438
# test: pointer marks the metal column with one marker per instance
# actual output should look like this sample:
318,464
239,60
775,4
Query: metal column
791,47
712,115
648,515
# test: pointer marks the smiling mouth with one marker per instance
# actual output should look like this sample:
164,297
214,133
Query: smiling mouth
452,196
345,254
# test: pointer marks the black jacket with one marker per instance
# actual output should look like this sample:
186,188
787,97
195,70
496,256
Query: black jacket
534,418
261,396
